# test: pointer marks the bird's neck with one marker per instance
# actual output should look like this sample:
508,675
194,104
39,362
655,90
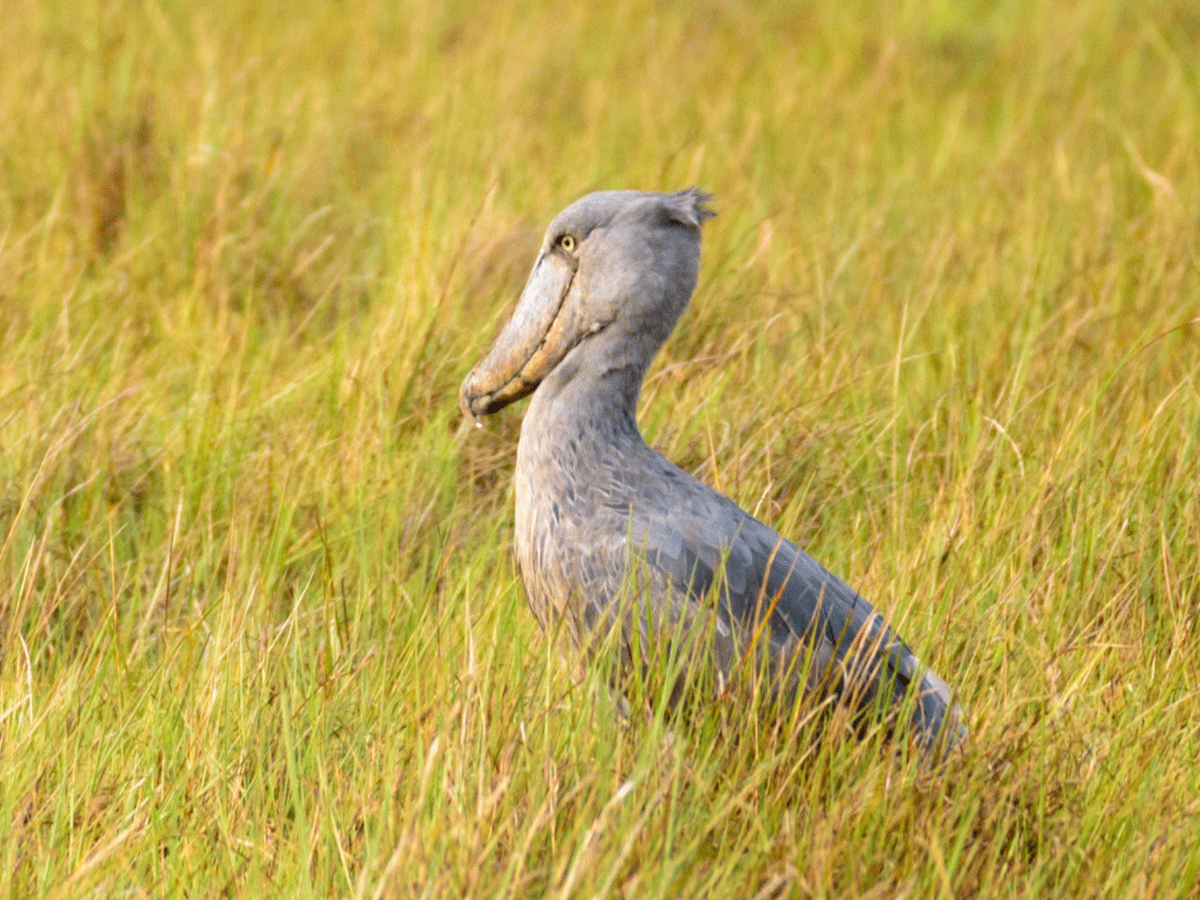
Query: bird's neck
594,389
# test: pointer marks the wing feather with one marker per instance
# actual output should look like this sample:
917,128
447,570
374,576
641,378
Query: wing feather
699,538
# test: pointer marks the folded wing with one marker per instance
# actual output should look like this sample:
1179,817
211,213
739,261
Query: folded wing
767,588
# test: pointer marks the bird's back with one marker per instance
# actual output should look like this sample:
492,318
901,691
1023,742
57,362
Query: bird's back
640,534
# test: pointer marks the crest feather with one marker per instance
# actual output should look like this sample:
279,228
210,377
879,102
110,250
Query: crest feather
688,207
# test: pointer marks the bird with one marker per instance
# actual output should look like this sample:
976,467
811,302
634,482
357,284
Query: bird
611,535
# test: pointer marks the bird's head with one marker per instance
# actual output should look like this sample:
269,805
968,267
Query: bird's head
618,263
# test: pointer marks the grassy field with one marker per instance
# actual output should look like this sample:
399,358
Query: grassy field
260,629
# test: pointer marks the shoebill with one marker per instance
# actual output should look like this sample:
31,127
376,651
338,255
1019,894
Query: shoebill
610,535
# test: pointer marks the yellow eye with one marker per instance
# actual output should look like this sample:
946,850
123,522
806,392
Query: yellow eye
567,242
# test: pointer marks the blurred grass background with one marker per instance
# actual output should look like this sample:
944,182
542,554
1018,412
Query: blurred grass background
260,632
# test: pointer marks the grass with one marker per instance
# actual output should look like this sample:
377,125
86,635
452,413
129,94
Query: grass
260,632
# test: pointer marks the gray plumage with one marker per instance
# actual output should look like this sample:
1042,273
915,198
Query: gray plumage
600,515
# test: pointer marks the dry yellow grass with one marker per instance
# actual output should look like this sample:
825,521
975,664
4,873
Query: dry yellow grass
259,628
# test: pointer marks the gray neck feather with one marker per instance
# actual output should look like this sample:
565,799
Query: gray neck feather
595,387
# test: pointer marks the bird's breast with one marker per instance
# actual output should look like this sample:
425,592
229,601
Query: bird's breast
574,493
